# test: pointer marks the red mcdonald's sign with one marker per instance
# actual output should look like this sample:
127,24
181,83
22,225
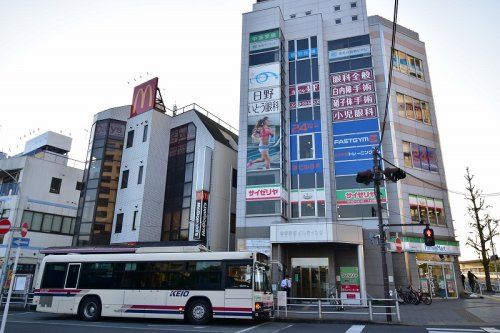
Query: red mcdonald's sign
144,97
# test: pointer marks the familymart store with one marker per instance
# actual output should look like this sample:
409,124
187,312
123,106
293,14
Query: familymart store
434,268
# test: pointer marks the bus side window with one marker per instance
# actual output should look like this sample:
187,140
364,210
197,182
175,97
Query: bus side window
237,277
54,275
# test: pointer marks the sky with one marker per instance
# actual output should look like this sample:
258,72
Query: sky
63,61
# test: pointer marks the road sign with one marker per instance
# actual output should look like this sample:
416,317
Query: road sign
399,245
4,226
24,229
20,242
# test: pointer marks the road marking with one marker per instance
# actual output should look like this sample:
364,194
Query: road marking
490,329
355,329
47,323
283,328
250,328
451,330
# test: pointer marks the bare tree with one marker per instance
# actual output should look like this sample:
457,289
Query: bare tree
484,228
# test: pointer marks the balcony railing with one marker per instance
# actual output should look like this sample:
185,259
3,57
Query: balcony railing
9,189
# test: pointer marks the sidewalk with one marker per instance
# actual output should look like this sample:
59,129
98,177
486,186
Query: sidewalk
458,312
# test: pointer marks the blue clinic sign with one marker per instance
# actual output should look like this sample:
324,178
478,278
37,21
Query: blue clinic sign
356,140
357,126
353,153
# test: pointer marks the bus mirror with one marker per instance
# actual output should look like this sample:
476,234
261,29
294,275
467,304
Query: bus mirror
249,270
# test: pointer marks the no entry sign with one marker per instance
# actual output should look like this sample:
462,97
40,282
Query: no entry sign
4,226
24,229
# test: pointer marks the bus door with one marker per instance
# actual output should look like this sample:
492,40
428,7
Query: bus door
67,303
238,292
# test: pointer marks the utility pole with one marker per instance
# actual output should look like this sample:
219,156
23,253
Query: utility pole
383,249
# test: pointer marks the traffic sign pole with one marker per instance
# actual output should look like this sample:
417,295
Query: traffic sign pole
7,304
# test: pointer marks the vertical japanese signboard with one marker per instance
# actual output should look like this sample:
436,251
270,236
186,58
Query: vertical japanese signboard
201,216
355,118
350,290
265,112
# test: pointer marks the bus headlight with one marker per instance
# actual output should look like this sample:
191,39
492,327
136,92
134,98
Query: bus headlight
258,306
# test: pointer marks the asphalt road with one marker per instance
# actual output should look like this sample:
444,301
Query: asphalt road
24,322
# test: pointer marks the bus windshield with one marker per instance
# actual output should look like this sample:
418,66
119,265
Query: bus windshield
261,279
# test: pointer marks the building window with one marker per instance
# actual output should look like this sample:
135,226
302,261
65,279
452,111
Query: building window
413,108
79,186
139,176
124,183
354,4
306,147
408,64
49,223
55,185
145,134
354,17
119,223
134,220
179,184
336,8
427,210
5,214
130,139
338,21
420,157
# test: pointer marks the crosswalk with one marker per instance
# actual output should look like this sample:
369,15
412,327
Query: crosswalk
463,330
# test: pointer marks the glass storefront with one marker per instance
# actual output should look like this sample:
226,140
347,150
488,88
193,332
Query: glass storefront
437,278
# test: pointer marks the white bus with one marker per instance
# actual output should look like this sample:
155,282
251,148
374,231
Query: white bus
192,286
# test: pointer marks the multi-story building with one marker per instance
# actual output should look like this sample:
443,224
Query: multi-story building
41,187
313,91
174,180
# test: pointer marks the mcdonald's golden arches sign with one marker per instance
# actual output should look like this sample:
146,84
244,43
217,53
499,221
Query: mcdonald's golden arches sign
144,97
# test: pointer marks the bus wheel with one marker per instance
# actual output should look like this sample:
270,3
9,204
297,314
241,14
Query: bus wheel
199,312
90,309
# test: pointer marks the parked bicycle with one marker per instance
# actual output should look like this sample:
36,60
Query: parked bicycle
412,296
334,300
421,296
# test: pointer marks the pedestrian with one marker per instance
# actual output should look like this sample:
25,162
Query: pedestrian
463,279
286,285
471,277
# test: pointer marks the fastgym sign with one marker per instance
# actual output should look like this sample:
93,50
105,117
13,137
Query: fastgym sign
414,244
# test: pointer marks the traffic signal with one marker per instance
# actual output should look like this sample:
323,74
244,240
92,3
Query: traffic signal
365,177
429,237
394,174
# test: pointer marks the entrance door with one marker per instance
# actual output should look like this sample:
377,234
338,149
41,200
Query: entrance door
451,283
309,277
437,281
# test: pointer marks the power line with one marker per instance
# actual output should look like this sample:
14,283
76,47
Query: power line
438,186
391,64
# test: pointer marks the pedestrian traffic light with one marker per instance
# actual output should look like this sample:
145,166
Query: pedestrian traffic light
429,237
365,177
394,174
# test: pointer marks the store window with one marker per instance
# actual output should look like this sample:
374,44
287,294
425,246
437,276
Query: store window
427,210
408,64
420,157
413,108
407,154
306,147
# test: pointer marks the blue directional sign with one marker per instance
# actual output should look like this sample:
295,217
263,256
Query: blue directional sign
20,242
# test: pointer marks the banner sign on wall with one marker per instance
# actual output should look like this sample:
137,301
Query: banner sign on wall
264,95
201,216
353,88
263,142
358,51
359,196
263,192
350,285
144,97
414,244
264,35
355,100
350,127
356,140
351,168
263,108
264,76
353,153
264,45
366,112
305,127
305,167
116,130
351,76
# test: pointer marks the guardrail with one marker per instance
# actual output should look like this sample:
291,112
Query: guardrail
20,300
338,308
